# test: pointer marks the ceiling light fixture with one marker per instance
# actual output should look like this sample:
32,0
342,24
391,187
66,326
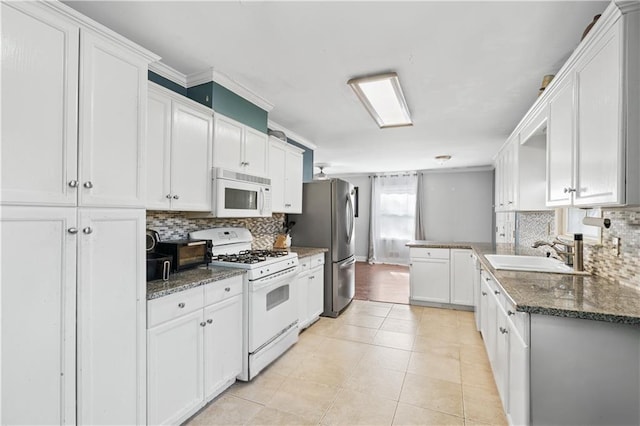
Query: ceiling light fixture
322,175
441,159
382,96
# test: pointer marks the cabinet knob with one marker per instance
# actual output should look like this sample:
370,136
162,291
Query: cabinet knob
202,324
509,313
210,321
487,279
72,230
484,293
168,196
181,305
88,184
510,202
568,190
73,183
87,230
287,205
246,164
496,292
227,289
503,330
175,197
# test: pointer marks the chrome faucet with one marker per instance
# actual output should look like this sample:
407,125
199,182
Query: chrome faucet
565,254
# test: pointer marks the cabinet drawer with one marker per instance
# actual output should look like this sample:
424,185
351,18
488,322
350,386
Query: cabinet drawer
317,260
174,306
429,253
304,264
220,290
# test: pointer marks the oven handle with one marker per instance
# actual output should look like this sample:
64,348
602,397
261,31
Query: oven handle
274,281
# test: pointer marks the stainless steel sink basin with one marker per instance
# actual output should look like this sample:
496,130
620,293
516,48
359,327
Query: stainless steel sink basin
528,263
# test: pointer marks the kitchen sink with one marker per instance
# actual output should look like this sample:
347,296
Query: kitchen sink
528,263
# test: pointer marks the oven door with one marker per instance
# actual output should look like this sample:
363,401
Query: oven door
272,307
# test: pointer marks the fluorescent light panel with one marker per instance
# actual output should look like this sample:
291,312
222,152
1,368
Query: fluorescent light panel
382,96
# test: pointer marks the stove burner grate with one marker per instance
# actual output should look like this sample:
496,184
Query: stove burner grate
249,256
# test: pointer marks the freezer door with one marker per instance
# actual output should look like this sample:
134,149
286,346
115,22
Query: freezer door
343,220
343,286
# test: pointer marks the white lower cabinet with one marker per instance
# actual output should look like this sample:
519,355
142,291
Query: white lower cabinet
506,337
73,327
440,275
310,290
195,348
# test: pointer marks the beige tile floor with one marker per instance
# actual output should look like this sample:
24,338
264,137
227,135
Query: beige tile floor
377,364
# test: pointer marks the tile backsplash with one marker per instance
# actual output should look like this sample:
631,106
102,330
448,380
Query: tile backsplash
599,259
176,225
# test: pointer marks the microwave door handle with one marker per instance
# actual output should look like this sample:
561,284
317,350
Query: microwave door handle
261,201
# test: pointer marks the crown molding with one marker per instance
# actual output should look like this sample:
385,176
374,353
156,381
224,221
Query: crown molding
90,24
292,135
224,80
169,73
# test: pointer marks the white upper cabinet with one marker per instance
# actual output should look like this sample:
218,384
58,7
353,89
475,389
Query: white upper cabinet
599,167
112,131
179,152
39,61
285,169
239,147
560,142
88,156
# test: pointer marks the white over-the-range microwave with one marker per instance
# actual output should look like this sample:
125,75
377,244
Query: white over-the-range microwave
237,194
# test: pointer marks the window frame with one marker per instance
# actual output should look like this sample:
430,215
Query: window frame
562,223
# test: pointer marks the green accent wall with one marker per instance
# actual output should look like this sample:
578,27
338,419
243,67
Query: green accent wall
307,161
166,83
233,106
202,93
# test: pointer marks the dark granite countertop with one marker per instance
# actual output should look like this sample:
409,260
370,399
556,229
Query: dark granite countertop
573,296
307,251
180,281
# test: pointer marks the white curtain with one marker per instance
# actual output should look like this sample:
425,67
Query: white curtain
392,222
421,220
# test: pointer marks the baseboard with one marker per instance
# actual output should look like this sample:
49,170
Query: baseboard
361,258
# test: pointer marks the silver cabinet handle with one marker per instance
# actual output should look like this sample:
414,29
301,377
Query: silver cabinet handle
175,197
503,330
202,324
88,184
287,205
181,305
72,230
509,313
73,183
510,202
210,321
484,293
487,279
227,289
246,164
569,190
87,230
168,196
496,292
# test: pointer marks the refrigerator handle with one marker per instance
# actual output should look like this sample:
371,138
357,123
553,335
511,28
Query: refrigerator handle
351,219
349,263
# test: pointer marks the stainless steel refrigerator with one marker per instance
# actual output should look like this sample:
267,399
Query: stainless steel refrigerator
327,220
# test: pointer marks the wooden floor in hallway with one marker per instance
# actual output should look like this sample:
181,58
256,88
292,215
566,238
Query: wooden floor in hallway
382,283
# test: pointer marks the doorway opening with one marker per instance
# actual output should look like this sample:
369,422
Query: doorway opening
382,282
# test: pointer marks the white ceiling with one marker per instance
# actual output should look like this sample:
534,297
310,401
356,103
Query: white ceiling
470,70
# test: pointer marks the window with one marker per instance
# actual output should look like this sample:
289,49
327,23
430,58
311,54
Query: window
570,222
397,216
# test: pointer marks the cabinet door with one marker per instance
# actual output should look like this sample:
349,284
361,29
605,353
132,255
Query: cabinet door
158,152
484,310
302,295
511,201
222,344
255,152
111,316
39,114
560,140
490,327
462,269
430,280
315,295
599,167
191,159
175,369
38,315
113,123
499,187
293,183
277,173
227,143
518,378
501,358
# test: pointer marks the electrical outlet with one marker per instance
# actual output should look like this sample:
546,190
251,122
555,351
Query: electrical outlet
616,246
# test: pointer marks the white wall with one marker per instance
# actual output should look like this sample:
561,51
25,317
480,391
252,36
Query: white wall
458,206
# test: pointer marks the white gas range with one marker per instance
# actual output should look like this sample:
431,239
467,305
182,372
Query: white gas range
269,302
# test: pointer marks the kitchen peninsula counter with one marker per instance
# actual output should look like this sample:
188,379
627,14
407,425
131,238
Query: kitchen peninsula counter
185,280
563,295
307,251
